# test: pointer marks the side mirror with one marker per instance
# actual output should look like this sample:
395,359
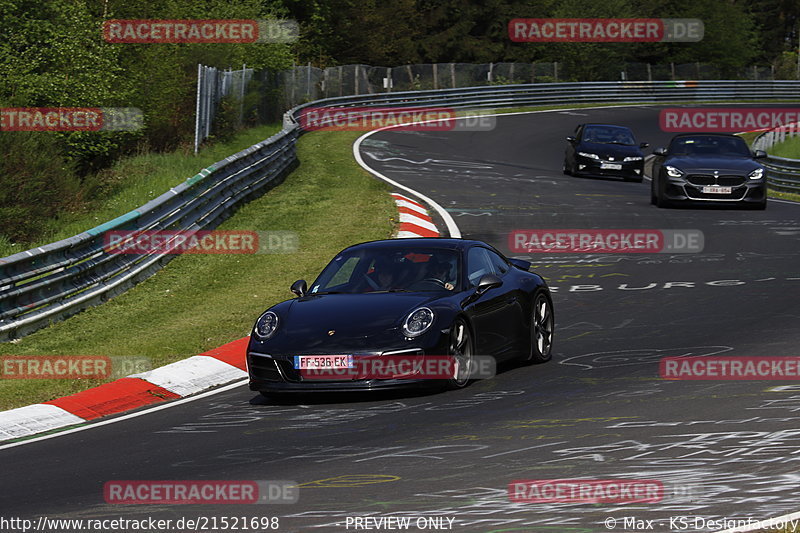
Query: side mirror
660,151
644,145
519,263
299,287
759,154
488,281
571,139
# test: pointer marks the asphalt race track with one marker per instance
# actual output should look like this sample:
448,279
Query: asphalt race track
722,449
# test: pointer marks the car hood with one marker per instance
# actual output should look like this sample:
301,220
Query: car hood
358,321
707,163
607,151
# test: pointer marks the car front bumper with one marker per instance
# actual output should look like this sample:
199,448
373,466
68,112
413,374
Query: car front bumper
599,167
692,188
275,373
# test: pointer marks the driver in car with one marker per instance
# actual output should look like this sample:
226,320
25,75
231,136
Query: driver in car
382,276
439,271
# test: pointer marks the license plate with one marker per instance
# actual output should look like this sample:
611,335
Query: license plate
711,189
306,362
610,166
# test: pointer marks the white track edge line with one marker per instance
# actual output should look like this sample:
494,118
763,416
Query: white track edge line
92,425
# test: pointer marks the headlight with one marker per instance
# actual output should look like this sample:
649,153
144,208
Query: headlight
266,325
590,156
757,174
633,158
418,322
673,172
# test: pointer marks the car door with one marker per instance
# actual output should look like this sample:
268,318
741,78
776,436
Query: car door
491,311
569,154
515,318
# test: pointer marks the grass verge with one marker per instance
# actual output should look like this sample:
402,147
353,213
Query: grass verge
199,302
790,148
133,181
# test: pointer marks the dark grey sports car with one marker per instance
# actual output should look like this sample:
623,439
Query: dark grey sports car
414,298
708,167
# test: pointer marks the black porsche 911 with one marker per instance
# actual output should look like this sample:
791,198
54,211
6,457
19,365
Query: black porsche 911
604,150
708,167
418,298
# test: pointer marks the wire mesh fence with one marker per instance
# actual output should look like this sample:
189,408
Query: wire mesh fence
212,86
268,94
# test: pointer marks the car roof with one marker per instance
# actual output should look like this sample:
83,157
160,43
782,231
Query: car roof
605,125
700,134
421,242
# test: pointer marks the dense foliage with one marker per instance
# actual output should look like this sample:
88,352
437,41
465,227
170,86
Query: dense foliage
52,54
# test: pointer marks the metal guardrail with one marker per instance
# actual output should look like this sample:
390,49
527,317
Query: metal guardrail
55,281
782,174
567,93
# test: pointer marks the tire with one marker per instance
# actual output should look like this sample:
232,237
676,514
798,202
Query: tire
461,347
657,199
565,170
542,326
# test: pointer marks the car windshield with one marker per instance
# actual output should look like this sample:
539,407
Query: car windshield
701,145
399,269
608,135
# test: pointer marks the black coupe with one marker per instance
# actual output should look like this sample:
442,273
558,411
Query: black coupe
417,298
708,167
604,150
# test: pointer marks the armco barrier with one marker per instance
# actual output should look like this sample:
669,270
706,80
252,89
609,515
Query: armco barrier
782,174
54,281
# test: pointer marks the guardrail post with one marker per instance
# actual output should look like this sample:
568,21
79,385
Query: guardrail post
197,109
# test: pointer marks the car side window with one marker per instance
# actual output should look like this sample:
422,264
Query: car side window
478,264
499,264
